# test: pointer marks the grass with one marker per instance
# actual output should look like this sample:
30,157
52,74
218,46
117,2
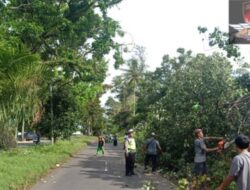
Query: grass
22,167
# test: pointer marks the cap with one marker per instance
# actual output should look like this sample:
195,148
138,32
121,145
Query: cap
152,134
130,131
196,131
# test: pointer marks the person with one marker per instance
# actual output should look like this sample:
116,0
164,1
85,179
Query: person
240,166
100,146
110,138
115,140
35,138
38,136
125,139
152,147
130,152
201,149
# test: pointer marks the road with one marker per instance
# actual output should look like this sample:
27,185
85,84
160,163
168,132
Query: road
86,171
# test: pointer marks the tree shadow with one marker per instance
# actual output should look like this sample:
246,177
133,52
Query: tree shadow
110,167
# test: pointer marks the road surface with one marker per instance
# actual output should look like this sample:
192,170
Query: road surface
86,171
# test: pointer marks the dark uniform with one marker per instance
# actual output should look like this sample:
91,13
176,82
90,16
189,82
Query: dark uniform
115,141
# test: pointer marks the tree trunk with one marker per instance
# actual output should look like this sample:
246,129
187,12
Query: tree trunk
89,128
52,115
23,125
134,101
16,134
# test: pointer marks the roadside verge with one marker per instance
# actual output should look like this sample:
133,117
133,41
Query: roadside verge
22,167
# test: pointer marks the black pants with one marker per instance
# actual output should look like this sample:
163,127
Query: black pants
200,168
115,142
130,163
153,159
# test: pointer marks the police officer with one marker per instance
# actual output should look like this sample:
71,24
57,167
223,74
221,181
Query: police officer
130,151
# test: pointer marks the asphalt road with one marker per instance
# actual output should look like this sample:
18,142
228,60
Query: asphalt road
86,171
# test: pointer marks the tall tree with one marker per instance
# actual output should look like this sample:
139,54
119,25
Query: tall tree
20,83
135,72
71,39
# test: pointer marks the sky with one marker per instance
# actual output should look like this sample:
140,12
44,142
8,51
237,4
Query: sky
162,26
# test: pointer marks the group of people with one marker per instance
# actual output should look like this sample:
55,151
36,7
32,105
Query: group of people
152,148
239,170
240,166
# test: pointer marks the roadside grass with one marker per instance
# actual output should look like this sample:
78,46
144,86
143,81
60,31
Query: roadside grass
22,167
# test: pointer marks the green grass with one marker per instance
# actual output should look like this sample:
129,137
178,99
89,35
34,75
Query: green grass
22,167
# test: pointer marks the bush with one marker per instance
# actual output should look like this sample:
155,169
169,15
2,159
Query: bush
7,139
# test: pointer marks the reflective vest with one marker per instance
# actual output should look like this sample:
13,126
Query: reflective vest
131,145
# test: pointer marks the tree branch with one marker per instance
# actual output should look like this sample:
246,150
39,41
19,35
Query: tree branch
20,6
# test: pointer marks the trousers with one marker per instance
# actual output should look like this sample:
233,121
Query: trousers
153,159
130,163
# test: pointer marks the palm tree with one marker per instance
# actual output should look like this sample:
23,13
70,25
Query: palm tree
134,73
20,82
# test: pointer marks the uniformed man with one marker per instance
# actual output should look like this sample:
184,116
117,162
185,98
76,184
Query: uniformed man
130,151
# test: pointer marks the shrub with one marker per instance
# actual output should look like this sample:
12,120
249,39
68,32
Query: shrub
7,139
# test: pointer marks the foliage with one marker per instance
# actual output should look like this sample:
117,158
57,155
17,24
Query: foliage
20,86
122,113
222,41
7,139
186,92
242,73
201,182
59,45
183,184
148,185
168,102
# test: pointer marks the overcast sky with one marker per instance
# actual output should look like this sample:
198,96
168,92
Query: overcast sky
162,26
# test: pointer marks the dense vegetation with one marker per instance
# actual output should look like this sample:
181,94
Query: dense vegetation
52,66
186,92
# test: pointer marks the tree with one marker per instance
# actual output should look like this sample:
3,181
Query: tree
169,96
70,39
135,72
20,83
223,41
126,88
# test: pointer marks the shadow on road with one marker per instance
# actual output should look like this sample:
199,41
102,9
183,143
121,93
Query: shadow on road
86,171
110,167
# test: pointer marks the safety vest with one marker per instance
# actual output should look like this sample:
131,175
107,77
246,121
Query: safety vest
131,145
